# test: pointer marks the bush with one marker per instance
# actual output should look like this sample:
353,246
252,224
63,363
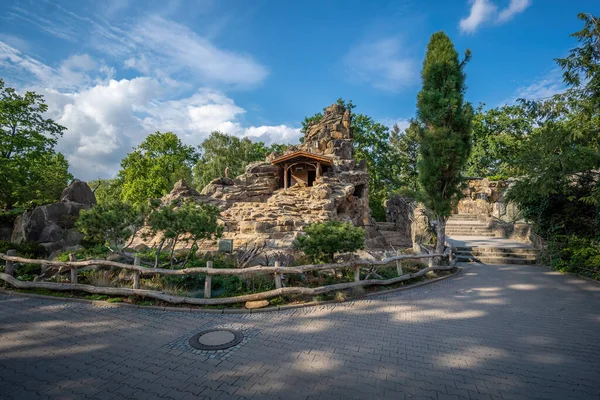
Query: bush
575,254
25,249
323,240
7,217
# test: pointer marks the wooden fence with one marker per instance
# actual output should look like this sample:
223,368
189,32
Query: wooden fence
277,271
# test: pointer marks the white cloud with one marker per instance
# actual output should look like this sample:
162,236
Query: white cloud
174,48
382,64
106,118
75,72
483,11
541,88
515,7
402,123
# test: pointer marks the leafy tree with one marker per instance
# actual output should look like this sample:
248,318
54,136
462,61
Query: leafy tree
406,146
372,144
151,170
27,155
113,224
559,184
184,222
499,135
322,240
220,150
444,120
106,190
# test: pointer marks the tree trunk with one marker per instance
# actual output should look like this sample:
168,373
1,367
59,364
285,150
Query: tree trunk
441,238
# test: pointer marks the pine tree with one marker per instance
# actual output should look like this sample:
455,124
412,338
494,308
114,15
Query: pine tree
444,120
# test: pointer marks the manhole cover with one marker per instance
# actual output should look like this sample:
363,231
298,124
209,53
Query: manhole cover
216,339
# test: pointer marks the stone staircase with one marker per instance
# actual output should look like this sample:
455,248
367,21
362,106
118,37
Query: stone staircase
467,225
497,255
393,237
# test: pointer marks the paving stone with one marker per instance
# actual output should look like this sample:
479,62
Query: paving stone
492,332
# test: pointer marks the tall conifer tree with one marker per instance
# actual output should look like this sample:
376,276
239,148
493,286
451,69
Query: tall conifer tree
444,121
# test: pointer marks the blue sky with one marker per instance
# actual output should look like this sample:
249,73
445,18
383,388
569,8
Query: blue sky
115,70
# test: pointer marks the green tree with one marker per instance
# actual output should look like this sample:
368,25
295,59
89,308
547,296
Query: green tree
113,224
184,222
27,155
499,135
322,240
151,170
106,190
372,145
406,146
559,170
220,150
444,120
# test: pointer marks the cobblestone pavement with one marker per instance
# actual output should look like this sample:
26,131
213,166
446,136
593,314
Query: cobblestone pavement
492,332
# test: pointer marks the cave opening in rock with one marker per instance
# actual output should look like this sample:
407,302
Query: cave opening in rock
358,191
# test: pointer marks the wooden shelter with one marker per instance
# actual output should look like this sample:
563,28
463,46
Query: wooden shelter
301,166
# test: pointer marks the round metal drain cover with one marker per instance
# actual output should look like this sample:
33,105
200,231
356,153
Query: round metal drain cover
216,339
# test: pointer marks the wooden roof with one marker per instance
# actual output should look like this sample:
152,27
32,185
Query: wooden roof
302,154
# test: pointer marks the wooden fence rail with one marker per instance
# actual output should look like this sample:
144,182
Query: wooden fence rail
276,270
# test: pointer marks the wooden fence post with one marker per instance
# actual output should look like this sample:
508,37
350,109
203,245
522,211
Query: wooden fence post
356,273
278,284
73,257
136,274
9,267
430,262
398,264
208,281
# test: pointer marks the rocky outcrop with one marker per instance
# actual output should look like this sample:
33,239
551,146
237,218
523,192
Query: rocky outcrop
485,198
78,192
256,208
332,135
400,211
52,225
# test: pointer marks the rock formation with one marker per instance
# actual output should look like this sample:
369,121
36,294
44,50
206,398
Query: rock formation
52,225
486,198
313,182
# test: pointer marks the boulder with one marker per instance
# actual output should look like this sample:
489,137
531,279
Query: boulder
256,304
78,192
30,225
51,225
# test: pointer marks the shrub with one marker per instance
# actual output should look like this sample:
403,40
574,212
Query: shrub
575,254
113,225
321,241
25,249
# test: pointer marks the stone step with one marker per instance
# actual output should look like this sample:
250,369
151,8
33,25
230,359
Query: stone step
470,233
524,256
466,224
464,217
496,260
528,250
482,229
386,226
